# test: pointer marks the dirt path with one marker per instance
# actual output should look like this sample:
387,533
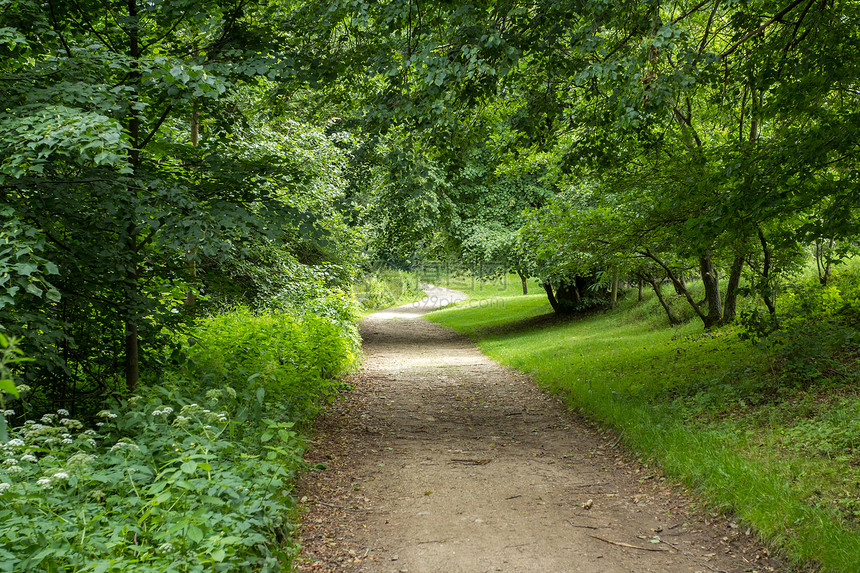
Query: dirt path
441,460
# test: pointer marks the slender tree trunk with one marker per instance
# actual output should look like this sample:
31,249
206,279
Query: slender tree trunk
132,357
730,307
132,346
822,261
524,280
712,290
195,124
680,286
655,284
614,295
766,291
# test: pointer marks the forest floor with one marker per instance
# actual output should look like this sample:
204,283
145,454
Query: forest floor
441,460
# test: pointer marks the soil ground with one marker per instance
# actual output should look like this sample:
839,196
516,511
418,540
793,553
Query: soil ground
441,460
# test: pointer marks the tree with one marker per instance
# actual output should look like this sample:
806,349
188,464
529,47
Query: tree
129,155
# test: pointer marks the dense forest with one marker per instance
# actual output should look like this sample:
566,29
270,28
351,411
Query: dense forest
199,198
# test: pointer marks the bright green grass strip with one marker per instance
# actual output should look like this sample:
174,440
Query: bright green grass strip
613,369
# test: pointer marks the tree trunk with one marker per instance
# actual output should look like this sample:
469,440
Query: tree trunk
132,357
822,261
680,286
524,280
132,351
730,307
765,289
551,296
614,296
655,284
712,291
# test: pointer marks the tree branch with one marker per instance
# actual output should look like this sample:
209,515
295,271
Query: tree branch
761,28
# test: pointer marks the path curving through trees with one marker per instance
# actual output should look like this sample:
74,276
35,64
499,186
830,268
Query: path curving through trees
441,460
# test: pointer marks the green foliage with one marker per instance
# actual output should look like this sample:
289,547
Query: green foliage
384,288
141,168
192,473
814,337
161,485
291,359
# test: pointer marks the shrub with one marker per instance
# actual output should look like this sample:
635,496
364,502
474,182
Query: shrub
293,359
190,475
155,487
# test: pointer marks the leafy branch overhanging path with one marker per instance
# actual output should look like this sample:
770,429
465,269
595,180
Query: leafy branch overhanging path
440,459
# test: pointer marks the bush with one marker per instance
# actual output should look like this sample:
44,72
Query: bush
292,359
190,475
814,333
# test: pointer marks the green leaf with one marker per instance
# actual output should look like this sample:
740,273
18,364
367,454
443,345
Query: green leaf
194,534
33,289
9,387
218,555
189,467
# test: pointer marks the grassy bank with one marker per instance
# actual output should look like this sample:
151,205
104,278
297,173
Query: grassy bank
706,407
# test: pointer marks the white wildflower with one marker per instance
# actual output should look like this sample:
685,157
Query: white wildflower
167,410
16,443
11,462
14,469
4,486
61,475
29,458
29,422
8,413
92,442
157,412
44,483
100,424
165,547
124,445
62,412
66,436
71,423
90,433
23,388
106,414
47,419
68,441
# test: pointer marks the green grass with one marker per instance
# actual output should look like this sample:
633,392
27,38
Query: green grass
700,405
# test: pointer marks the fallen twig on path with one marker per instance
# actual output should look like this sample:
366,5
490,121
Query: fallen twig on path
583,526
622,544
472,461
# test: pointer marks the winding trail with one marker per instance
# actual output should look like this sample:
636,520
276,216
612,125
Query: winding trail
441,460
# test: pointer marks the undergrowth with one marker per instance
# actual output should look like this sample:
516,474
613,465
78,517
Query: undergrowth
192,473
766,431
